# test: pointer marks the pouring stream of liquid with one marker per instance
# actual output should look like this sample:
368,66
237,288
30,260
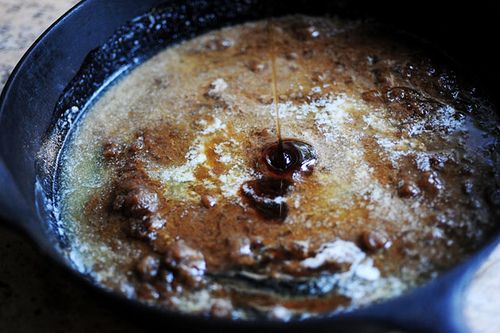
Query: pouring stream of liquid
280,154
281,158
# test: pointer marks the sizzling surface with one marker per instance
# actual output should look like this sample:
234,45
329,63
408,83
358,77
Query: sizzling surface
158,180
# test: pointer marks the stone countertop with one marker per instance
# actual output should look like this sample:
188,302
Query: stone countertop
36,297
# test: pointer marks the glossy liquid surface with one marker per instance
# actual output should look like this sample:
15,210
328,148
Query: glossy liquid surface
176,192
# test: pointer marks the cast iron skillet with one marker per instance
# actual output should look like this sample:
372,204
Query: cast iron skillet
98,39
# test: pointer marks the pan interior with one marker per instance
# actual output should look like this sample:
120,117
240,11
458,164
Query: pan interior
422,139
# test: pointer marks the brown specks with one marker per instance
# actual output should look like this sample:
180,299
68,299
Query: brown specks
283,98
304,31
145,228
372,241
382,168
111,150
208,201
339,67
266,196
321,77
407,102
148,266
372,96
256,66
308,53
408,243
265,99
137,145
166,144
380,77
297,95
240,251
147,291
221,308
181,266
293,67
430,182
135,200
372,60
407,189
297,250
216,88
291,56
160,82
187,264
438,162
218,43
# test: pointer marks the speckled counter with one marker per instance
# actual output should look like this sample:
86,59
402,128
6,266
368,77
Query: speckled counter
35,297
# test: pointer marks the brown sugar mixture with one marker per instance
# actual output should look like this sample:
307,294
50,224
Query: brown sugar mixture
175,190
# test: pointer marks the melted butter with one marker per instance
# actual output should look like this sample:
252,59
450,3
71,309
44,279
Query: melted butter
398,162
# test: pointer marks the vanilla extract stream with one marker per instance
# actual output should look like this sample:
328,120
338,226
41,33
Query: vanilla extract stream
282,159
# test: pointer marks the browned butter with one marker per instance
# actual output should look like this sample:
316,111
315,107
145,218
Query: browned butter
176,191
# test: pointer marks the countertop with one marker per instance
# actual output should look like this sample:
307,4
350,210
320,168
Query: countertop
35,297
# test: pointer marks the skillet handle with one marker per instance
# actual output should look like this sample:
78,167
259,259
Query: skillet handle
12,203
